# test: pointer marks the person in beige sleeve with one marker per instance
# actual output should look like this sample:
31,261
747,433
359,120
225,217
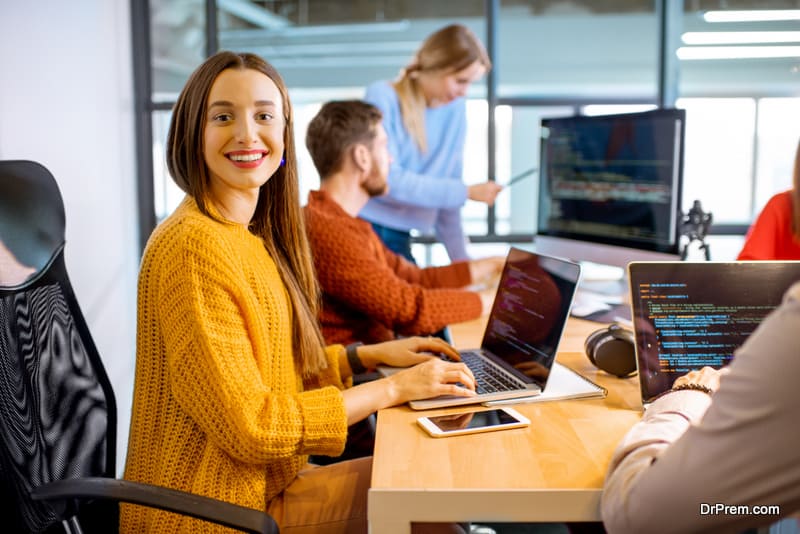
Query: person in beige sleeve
720,452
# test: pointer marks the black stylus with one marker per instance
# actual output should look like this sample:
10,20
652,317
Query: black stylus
520,176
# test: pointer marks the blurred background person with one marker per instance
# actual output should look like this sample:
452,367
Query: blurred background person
776,233
424,114
369,293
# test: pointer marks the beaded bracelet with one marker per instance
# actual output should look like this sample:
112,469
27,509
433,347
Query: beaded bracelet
693,387
352,358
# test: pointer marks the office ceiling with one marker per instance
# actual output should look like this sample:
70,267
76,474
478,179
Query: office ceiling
363,39
311,12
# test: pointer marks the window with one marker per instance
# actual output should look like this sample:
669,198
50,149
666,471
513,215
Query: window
517,153
778,133
166,194
580,49
552,58
718,166
178,44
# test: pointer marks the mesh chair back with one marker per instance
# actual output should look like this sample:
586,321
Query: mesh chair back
57,408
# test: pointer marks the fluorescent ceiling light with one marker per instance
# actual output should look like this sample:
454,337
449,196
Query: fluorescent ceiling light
610,109
758,15
710,38
737,52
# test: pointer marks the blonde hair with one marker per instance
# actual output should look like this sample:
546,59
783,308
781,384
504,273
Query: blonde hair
450,49
278,217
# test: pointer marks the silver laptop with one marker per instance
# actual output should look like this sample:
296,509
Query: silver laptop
519,345
687,315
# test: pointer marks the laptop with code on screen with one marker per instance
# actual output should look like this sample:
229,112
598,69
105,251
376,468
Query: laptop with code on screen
528,317
687,315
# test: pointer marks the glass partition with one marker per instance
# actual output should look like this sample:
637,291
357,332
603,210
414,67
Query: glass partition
177,42
578,48
331,45
737,81
718,166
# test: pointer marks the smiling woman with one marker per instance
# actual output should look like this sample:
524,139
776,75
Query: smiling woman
243,140
234,387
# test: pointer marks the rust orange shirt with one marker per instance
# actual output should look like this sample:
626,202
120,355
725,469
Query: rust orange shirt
371,294
771,237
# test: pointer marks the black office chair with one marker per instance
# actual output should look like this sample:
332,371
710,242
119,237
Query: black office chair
57,409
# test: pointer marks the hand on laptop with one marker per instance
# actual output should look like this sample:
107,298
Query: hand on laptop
424,374
405,352
433,378
707,377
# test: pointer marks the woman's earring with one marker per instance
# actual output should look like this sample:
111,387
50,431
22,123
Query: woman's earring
283,161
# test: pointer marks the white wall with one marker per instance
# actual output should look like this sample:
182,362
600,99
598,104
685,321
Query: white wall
66,101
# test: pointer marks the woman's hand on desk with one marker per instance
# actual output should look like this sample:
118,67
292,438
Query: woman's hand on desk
432,378
427,375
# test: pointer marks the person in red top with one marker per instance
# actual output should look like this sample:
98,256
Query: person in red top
776,233
369,293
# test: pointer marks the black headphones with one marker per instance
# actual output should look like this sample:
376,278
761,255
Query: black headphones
612,349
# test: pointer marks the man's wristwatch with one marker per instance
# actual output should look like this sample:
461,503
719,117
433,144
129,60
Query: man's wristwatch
352,358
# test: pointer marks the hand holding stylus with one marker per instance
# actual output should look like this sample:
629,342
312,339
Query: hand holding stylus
486,192
521,176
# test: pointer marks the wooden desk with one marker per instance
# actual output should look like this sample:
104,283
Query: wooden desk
552,470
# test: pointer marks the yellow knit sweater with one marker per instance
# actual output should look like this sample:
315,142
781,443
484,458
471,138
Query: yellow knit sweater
218,407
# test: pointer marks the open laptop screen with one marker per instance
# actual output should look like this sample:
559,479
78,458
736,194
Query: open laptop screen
529,312
688,315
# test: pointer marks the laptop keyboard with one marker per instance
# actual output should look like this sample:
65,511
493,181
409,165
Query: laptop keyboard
488,379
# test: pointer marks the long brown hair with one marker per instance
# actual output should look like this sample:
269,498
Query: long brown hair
450,49
796,194
277,219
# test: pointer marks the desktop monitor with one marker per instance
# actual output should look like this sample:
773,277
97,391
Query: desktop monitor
610,187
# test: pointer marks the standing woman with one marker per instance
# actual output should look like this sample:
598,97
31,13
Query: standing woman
234,388
424,114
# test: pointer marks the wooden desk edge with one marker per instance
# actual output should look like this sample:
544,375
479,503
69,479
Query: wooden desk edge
389,510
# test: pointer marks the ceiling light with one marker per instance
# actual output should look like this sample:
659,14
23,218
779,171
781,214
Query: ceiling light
711,38
737,52
758,15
